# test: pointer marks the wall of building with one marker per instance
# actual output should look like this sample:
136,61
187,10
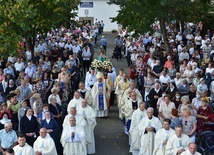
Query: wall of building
102,11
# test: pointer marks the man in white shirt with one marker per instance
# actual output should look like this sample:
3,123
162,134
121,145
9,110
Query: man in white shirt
198,40
19,66
189,38
132,47
164,79
41,47
191,150
179,36
68,45
86,56
23,147
28,54
76,48
183,55
90,79
134,56
180,47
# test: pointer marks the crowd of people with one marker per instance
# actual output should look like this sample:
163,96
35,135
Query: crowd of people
168,101
50,99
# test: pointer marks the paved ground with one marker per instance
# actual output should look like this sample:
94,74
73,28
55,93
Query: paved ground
109,133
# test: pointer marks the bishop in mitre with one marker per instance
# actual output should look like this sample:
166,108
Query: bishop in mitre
100,96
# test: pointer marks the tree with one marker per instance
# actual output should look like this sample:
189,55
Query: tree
25,18
141,14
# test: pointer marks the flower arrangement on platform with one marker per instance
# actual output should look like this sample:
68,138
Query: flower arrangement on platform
101,65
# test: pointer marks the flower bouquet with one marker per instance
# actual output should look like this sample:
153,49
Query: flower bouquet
101,65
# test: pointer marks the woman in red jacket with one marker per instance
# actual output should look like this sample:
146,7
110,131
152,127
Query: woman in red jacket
132,73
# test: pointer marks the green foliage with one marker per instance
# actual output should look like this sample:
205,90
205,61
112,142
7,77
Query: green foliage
140,14
25,18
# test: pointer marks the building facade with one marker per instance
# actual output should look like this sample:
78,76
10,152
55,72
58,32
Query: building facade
97,10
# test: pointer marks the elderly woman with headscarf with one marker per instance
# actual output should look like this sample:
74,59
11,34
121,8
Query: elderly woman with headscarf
4,119
183,105
171,89
153,96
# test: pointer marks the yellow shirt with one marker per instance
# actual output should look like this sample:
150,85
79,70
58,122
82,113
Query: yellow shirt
14,107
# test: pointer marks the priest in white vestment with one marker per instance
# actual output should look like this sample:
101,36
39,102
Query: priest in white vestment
90,78
132,88
85,94
134,136
130,106
90,117
73,139
75,102
100,96
23,148
44,145
79,119
147,128
119,77
119,91
191,150
162,136
177,143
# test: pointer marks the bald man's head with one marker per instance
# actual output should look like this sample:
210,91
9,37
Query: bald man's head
43,132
